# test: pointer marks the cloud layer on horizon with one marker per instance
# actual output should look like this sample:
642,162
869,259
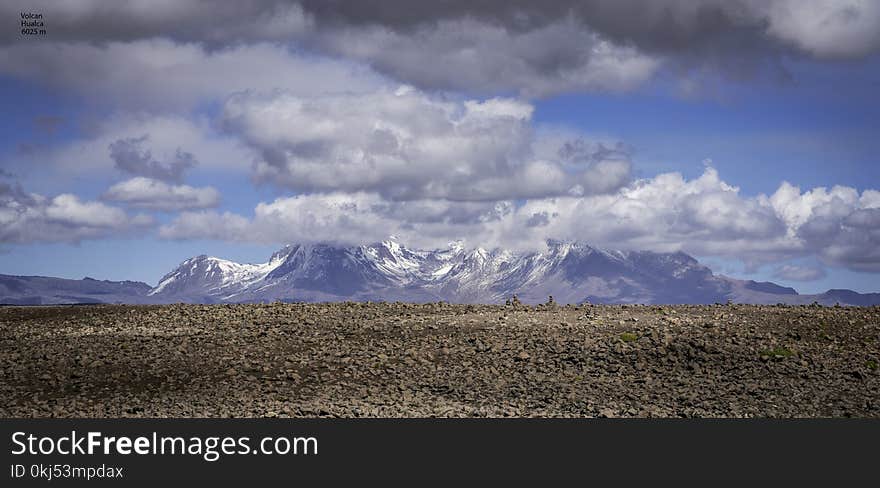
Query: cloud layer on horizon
704,216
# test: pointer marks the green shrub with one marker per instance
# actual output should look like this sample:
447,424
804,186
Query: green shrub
778,352
628,337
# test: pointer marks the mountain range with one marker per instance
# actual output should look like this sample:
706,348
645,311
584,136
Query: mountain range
571,272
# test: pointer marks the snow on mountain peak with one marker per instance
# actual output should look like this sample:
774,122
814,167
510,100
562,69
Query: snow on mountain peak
212,274
570,271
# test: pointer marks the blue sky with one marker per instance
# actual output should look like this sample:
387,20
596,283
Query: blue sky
255,144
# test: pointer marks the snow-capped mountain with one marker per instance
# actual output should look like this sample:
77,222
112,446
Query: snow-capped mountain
213,277
388,271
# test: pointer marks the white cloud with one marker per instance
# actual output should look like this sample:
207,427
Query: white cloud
29,217
839,224
405,144
68,209
825,28
152,194
797,208
704,216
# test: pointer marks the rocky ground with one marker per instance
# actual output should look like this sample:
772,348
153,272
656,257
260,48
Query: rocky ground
387,360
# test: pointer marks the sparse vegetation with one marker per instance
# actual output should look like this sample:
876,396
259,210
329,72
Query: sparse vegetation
778,352
628,337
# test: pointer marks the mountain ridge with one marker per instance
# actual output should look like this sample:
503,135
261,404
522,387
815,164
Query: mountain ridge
572,272
45,290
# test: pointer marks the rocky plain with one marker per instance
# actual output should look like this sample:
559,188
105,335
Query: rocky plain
424,360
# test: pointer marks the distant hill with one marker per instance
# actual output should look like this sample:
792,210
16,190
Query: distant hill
41,290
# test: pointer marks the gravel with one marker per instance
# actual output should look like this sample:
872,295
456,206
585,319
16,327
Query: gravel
425,360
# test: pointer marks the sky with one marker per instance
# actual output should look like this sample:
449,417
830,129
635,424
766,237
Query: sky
137,134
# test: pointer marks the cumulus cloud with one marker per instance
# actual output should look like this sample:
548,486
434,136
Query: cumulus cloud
704,216
793,272
405,144
708,217
152,194
28,217
840,224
